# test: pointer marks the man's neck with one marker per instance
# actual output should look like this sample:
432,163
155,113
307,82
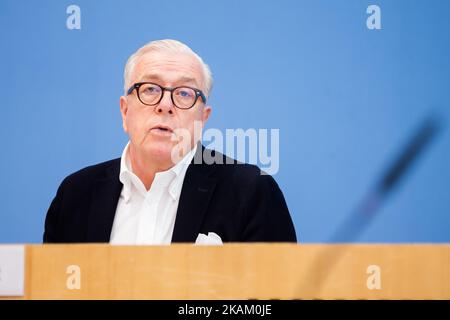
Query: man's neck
146,167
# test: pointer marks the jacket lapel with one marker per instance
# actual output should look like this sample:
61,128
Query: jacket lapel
198,187
105,195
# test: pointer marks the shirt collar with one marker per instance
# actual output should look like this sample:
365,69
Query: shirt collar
180,171
172,178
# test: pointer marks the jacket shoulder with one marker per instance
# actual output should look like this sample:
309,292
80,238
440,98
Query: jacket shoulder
230,168
97,171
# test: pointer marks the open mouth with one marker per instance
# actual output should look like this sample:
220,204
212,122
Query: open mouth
162,129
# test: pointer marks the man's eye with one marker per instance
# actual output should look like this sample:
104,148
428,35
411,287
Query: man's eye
185,93
151,90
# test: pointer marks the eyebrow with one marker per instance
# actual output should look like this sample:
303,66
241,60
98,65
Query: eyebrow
183,79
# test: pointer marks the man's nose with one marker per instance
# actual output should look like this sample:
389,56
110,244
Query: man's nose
166,104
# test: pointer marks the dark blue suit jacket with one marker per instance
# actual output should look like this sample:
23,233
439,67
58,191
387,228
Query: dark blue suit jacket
233,200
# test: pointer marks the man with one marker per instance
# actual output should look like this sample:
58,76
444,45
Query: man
156,193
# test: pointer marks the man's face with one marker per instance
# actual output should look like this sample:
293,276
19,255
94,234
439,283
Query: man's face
140,121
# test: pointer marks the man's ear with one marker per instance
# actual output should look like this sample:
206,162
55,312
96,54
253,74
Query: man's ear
205,113
123,112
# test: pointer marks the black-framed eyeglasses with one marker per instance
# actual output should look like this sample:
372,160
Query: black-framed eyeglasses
151,94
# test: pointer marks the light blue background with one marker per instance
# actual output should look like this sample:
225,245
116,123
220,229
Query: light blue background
345,99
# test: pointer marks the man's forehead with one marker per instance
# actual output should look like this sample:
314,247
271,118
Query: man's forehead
149,76
169,67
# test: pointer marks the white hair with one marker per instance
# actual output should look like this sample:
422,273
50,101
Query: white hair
168,46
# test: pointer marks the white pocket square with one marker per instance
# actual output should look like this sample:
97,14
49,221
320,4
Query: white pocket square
211,239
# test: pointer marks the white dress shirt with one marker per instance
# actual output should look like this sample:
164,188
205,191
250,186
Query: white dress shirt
148,217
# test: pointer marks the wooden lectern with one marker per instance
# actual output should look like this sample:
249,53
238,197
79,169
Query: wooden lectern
238,271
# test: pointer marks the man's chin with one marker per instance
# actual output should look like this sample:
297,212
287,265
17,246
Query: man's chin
158,150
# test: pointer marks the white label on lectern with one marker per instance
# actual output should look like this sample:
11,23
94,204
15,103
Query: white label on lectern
12,267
